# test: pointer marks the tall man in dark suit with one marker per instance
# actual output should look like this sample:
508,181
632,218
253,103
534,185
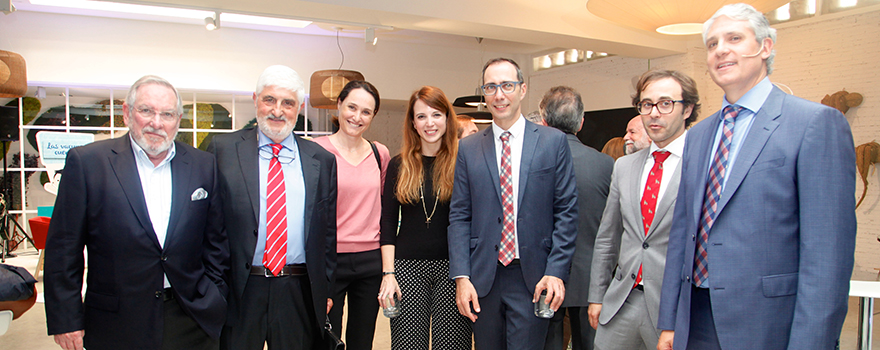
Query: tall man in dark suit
563,109
502,257
279,194
762,242
148,209
627,269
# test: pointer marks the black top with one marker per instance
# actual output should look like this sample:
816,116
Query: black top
415,239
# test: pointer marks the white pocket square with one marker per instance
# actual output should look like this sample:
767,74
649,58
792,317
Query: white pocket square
199,194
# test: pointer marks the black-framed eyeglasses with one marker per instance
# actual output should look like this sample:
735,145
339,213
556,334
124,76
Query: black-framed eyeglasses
266,153
507,87
663,106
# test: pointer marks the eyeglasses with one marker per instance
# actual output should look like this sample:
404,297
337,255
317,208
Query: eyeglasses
147,112
266,153
663,106
507,87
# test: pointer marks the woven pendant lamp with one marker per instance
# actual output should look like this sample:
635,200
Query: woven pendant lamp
13,75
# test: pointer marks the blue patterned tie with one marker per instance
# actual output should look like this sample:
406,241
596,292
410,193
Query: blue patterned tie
713,194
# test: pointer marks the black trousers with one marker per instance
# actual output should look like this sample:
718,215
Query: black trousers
182,332
358,275
276,311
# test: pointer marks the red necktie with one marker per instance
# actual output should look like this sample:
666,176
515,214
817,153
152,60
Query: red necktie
717,172
276,216
508,241
649,198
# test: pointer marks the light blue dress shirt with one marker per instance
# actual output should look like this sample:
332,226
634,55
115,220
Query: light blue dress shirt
295,195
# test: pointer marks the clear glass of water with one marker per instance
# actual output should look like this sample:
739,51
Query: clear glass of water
542,308
392,307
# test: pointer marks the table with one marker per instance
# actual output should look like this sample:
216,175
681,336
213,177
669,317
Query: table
866,291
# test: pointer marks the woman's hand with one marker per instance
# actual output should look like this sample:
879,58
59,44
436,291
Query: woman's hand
388,289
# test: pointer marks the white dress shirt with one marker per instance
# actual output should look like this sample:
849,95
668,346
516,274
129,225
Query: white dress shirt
675,149
156,184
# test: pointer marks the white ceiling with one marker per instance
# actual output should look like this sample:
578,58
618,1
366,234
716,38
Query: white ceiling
515,26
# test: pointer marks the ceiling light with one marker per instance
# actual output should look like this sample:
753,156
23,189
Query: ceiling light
651,15
681,29
212,22
125,8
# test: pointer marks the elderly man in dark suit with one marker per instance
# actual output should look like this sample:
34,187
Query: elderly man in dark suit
563,109
762,242
501,255
148,210
279,194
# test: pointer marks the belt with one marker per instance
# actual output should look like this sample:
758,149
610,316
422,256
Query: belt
287,270
640,287
512,262
167,294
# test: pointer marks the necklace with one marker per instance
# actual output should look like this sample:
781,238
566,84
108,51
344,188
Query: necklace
422,197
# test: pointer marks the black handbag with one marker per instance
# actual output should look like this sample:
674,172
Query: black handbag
331,339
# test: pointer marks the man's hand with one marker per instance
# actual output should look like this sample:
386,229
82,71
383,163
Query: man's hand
665,342
593,311
70,341
329,304
555,291
465,296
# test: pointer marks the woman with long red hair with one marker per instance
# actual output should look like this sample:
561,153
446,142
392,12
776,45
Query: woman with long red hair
415,256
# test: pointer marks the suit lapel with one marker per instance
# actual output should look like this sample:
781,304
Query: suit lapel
250,168
180,181
125,168
762,127
634,184
668,199
488,146
530,143
311,169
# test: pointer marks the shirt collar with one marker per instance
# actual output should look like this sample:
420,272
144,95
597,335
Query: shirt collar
676,147
140,153
516,130
289,142
754,98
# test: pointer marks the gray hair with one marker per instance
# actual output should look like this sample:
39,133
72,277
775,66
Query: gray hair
147,80
757,22
562,108
534,117
283,77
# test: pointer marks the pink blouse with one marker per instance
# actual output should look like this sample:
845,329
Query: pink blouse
359,199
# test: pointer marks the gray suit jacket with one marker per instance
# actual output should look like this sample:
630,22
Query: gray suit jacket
622,241
592,172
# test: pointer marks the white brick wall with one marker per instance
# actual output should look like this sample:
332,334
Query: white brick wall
813,59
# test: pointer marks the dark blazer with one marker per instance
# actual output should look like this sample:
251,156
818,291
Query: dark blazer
781,249
101,205
547,216
592,171
239,173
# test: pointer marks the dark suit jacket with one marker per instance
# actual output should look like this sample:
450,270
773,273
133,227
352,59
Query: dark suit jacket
239,173
592,170
547,215
101,205
781,249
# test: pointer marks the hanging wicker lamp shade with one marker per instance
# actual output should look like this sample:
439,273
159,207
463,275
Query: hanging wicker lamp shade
13,75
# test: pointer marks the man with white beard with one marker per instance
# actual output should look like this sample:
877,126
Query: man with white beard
636,138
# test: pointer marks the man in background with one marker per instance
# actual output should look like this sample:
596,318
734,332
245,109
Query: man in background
466,126
635,137
563,109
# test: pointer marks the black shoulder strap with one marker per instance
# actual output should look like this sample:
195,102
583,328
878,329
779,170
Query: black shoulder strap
376,153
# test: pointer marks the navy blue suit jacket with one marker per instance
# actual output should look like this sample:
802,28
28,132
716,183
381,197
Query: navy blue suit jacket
547,215
781,249
101,205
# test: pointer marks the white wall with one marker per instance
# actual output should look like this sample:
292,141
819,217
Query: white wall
814,59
